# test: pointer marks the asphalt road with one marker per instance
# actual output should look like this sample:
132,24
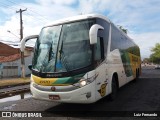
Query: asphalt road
135,97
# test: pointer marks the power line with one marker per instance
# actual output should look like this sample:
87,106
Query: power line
29,9
39,17
8,6
35,17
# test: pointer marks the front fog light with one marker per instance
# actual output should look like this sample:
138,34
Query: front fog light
83,83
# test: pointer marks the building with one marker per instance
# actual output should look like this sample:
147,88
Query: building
7,50
10,60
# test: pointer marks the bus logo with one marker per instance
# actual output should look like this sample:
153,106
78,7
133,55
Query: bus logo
102,90
44,82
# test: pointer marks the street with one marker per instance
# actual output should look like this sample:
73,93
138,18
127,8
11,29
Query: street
142,95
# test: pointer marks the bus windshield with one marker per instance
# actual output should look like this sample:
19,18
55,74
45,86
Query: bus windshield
63,48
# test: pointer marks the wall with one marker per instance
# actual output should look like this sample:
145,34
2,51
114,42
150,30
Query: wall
13,69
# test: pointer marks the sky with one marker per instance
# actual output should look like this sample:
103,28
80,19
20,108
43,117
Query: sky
140,17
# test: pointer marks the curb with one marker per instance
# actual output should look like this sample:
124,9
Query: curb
9,86
13,92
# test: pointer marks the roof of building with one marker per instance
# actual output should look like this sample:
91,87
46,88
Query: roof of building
10,58
16,45
6,50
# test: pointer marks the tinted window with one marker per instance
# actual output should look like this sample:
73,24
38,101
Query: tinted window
99,49
120,41
104,33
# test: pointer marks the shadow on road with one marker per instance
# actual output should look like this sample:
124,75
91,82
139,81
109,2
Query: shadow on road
133,97
103,107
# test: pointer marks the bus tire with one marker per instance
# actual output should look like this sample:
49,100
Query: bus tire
137,75
114,89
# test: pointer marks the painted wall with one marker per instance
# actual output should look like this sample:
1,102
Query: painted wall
13,69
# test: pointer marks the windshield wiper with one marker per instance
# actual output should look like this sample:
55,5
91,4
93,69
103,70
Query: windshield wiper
62,57
45,59
50,53
42,66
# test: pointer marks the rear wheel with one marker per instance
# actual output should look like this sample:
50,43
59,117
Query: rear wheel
114,89
137,75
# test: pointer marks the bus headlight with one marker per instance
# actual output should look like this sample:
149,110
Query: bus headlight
83,82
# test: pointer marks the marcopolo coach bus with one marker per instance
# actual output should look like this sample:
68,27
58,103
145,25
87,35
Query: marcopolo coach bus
81,60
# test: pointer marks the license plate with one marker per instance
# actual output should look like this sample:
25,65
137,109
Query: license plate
54,97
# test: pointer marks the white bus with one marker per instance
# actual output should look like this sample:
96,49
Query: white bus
81,60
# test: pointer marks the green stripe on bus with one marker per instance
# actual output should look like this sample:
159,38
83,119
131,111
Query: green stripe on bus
68,80
126,63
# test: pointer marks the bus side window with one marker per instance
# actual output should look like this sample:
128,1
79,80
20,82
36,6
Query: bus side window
99,49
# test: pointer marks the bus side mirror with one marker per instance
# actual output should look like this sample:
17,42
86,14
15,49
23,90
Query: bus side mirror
93,33
24,40
30,67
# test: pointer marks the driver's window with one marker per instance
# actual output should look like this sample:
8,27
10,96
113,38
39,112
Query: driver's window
99,49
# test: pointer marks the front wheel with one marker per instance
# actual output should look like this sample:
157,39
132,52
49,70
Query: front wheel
114,89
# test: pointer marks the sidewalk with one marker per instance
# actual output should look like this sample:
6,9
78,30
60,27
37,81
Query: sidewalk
11,82
13,86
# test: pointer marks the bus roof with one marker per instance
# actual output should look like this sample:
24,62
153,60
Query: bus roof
83,17
78,17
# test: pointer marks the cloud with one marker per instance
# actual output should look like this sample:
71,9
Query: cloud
96,6
146,41
57,2
63,2
36,16
10,25
141,18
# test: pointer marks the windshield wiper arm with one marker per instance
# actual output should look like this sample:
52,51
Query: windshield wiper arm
62,57
48,54
64,61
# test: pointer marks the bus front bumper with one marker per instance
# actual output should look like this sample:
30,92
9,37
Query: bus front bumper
84,94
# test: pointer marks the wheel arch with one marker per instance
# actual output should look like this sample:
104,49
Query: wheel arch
116,78
114,89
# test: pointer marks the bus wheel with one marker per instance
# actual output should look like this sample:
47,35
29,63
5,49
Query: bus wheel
114,89
137,76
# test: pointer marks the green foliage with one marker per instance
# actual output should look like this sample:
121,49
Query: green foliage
146,60
156,50
124,30
155,56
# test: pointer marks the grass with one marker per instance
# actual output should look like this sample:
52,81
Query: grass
13,81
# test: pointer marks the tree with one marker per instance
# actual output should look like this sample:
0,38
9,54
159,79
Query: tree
146,60
123,29
155,56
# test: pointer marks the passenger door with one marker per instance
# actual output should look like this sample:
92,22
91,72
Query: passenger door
101,69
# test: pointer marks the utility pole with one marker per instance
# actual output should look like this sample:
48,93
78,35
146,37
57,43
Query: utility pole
21,37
